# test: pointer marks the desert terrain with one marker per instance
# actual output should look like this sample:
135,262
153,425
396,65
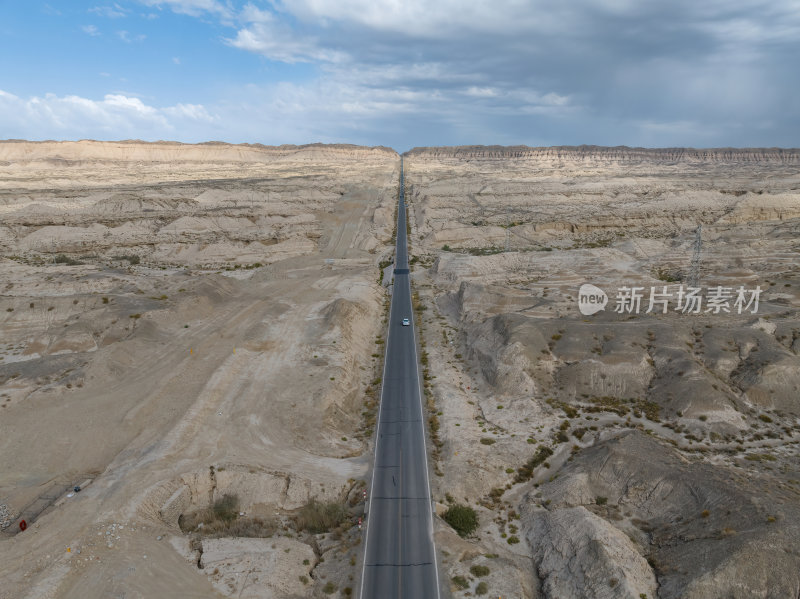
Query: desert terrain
187,330
620,454
193,334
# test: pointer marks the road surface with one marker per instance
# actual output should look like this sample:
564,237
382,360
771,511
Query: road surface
399,555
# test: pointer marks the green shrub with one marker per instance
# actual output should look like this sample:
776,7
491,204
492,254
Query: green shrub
487,441
482,588
329,588
460,582
599,500
513,540
462,518
131,258
479,570
62,259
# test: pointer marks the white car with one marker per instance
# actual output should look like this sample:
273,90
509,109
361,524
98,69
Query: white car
406,322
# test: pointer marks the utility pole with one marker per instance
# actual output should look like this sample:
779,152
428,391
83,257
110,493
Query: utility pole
694,268
508,233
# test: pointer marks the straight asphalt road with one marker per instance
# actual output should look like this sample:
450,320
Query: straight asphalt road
399,554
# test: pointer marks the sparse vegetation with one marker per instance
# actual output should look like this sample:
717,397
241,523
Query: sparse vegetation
62,259
525,472
329,588
663,275
131,258
221,519
760,457
317,517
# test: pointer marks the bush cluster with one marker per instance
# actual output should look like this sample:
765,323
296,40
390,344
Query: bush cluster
462,518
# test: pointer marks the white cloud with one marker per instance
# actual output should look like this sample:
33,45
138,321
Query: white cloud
282,45
481,92
90,30
194,112
110,12
176,60
116,116
193,7
268,36
126,37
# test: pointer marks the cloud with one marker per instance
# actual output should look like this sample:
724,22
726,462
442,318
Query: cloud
116,116
90,30
544,64
192,7
110,12
497,71
193,112
265,35
126,37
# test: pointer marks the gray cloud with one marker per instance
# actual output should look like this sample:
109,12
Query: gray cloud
615,71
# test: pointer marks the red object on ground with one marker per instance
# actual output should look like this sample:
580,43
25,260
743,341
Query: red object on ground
23,525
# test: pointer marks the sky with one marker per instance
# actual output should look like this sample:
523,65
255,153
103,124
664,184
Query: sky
653,73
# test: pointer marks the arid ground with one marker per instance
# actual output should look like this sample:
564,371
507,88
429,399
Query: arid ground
180,323
618,454
193,335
